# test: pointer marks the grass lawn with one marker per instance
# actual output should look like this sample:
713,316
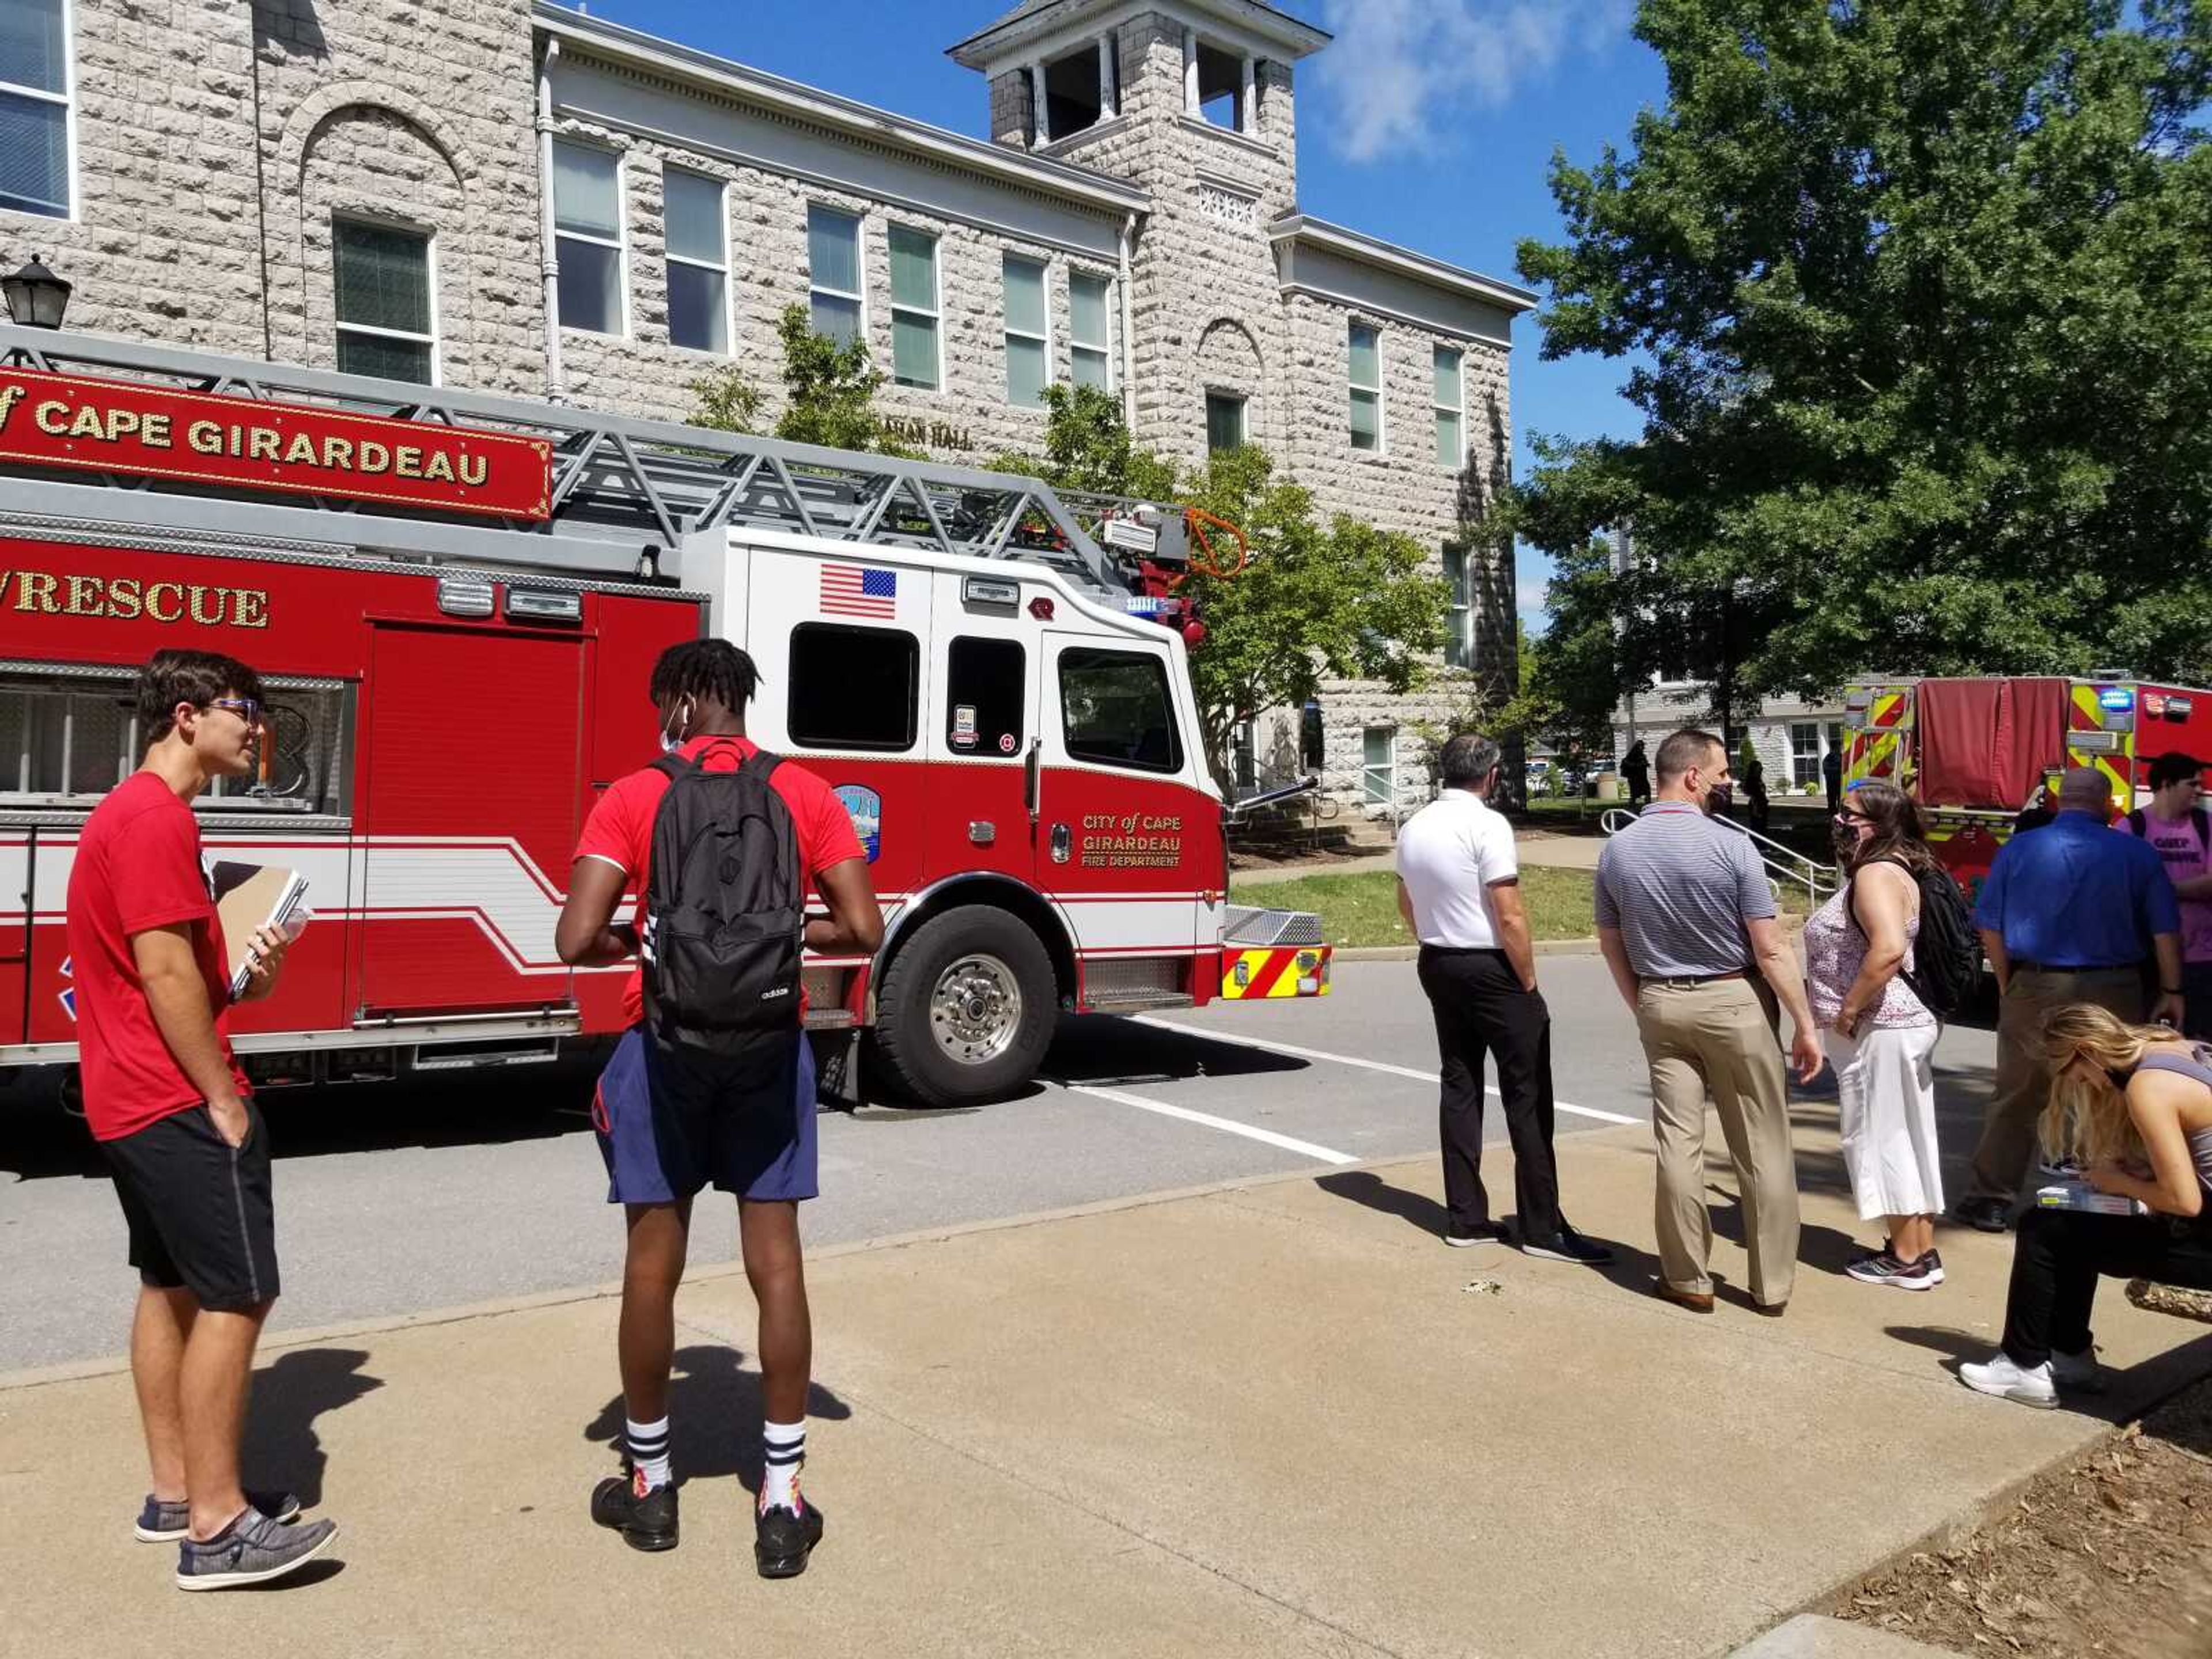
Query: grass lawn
1361,909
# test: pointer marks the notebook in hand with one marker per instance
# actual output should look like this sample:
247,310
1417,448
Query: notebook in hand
247,897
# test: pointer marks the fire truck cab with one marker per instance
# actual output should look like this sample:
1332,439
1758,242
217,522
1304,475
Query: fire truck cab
1976,752
978,667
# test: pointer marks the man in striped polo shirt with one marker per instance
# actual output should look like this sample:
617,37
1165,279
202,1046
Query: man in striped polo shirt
1685,919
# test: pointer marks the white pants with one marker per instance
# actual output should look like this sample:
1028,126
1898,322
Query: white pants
1885,1089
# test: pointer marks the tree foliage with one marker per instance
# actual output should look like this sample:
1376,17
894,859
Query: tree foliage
1925,286
829,389
1314,601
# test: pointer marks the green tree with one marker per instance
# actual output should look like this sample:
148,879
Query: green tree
829,389
1923,289
1087,447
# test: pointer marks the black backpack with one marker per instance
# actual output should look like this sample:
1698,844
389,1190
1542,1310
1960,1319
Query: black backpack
724,915
2199,820
1946,953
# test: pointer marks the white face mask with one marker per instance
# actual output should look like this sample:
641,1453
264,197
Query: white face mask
671,738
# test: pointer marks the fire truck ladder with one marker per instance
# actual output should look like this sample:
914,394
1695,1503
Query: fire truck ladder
626,495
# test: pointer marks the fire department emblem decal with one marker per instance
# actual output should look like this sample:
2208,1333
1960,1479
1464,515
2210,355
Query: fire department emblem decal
867,808
68,997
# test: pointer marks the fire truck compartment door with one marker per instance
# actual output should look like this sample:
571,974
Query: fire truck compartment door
1987,742
1120,777
474,744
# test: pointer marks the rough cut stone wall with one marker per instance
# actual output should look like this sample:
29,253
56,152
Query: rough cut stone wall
195,227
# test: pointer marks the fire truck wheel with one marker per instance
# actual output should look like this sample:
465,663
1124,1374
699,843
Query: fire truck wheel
967,1008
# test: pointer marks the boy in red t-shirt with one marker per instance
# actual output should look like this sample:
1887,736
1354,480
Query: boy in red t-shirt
671,1120
173,1116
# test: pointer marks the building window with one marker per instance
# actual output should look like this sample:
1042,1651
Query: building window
1224,422
1313,746
833,266
698,261
381,278
1459,620
1116,709
1221,87
1245,753
987,686
1366,352
1072,95
853,688
1451,410
34,107
1029,338
1090,329
913,309
587,224
1378,773
1804,754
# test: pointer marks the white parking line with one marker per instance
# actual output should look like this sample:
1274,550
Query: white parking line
1296,1052
1302,1148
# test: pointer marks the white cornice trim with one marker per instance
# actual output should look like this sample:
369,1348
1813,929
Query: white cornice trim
1357,305
1302,228
742,84
1261,28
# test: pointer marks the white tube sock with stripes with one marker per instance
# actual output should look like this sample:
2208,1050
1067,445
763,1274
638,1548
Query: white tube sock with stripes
786,1448
648,1454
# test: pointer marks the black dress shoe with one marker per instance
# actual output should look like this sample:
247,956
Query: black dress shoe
1984,1215
1567,1245
647,1520
782,1540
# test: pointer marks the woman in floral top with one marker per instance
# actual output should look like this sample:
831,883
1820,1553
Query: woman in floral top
1878,1036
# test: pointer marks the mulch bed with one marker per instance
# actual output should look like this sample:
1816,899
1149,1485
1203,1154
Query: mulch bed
2110,1555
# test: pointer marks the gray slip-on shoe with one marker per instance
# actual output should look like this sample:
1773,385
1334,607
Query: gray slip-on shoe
252,1550
172,1524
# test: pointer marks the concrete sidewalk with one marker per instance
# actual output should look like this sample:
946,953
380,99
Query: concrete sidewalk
1275,1419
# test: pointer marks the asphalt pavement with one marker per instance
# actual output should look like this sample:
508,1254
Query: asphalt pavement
395,1199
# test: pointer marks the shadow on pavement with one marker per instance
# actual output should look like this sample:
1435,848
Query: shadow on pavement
1106,1048
714,1413
280,1448
1365,1187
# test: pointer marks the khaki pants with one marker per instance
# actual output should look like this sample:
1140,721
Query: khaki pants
2023,1084
1715,1038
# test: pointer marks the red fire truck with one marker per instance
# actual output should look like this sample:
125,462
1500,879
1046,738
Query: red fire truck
1975,752
455,600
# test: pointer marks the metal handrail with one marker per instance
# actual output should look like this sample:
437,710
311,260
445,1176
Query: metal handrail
1784,863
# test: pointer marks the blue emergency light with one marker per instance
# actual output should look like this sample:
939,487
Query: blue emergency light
2117,698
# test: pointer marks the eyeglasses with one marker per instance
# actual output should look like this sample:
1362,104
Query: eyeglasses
1853,818
246,708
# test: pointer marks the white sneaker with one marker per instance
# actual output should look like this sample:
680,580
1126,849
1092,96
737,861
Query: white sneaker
2078,1373
1460,1242
2032,1386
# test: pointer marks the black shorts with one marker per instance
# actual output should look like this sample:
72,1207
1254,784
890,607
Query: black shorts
199,1209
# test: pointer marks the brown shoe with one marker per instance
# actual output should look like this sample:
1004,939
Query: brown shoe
1772,1310
1695,1301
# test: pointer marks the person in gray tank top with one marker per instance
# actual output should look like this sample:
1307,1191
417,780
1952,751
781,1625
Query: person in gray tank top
2132,1105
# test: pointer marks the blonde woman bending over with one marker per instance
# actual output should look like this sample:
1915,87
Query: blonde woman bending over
2132,1105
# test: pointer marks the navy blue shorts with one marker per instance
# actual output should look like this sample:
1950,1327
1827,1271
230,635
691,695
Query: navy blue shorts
671,1123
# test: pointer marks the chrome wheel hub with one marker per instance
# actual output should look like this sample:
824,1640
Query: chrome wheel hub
976,1009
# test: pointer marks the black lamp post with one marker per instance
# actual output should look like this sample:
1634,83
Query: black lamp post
36,297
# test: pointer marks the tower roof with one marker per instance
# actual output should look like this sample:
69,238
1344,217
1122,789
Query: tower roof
1289,36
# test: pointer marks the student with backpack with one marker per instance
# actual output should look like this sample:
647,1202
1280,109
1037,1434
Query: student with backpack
2182,831
713,1083
1885,959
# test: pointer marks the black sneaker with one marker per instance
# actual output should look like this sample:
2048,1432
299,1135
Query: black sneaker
172,1524
252,1550
1984,1215
644,1516
783,1538
1924,1274
1567,1245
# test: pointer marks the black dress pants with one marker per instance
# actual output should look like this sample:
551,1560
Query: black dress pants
1481,1009
2058,1255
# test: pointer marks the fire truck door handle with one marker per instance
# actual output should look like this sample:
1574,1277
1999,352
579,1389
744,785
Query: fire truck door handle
1032,779
1060,842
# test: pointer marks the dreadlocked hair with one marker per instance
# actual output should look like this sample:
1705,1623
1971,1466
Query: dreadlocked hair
706,669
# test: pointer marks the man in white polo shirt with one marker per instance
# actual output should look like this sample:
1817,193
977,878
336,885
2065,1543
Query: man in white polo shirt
1459,890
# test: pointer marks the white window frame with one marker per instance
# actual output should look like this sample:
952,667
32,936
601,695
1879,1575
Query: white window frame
1382,429
1103,348
722,230
67,99
859,224
1244,415
936,314
429,236
1458,414
1044,268
620,244
1459,607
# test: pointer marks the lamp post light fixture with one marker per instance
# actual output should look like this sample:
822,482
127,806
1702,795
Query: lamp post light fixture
36,297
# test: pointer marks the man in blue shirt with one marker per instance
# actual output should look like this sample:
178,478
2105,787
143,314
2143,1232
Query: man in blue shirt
2069,914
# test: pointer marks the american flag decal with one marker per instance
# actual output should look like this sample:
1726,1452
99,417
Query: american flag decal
854,590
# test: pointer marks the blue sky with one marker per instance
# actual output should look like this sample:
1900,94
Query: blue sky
1429,123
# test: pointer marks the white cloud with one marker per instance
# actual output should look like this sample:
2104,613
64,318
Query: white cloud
1399,70
1532,576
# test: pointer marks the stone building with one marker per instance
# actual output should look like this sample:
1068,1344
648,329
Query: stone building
525,198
